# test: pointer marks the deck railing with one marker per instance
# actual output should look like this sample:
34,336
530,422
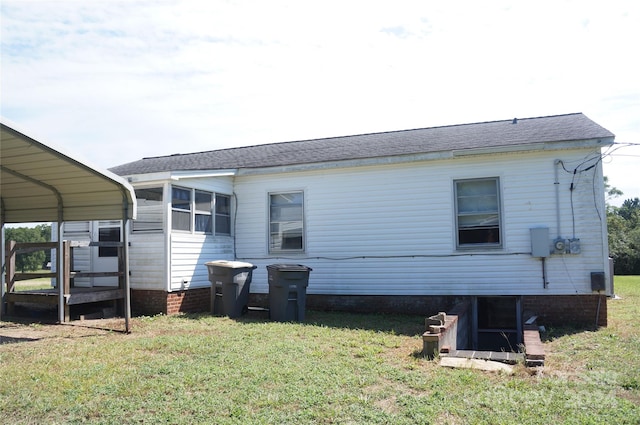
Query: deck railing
65,276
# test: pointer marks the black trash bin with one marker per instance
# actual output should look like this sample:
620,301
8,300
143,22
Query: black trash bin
230,282
287,291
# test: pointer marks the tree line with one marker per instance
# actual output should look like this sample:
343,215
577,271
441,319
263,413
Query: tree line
624,237
32,261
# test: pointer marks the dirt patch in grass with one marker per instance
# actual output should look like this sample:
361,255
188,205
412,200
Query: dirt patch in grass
12,332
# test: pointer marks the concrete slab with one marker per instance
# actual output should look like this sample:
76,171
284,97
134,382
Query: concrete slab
487,365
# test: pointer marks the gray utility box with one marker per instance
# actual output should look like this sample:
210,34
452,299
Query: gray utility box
230,282
288,291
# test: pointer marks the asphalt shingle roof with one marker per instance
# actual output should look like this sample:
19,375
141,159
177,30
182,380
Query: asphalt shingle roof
557,128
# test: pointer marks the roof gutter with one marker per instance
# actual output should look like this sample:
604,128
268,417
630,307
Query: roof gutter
330,165
399,159
164,176
545,146
200,174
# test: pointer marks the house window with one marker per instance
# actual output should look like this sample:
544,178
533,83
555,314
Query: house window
180,209
223,215
478,213
108,234
150,210
191,210
286,227
203,217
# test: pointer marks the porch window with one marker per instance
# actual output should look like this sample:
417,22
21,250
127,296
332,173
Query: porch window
286,226
191,210
180,209
223,215
478,221
203,211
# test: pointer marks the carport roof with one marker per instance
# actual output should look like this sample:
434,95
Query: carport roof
41,184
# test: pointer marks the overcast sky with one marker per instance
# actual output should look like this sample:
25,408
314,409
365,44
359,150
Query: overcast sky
115,81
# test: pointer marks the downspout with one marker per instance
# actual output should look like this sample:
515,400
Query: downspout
557,184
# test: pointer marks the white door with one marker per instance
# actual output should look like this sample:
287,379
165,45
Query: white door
105,259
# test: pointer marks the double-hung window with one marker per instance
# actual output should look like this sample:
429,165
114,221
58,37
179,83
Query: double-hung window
478,217
286,224
223,215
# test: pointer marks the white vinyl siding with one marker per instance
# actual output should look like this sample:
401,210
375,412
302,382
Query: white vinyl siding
391,229
148,258
77,231
150,217
189,255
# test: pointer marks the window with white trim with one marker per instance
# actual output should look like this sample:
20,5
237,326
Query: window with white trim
180,209
223,214
478,216
286,224
191,210
203,206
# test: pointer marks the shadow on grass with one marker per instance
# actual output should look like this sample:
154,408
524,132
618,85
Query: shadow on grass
407,325
13,340
43,314
551,333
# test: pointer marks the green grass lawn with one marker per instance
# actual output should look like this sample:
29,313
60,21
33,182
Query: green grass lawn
335,368
30,284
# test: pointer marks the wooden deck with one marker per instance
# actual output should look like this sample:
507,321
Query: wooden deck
72,295
76,295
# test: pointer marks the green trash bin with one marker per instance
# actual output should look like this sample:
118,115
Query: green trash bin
287,291
230,283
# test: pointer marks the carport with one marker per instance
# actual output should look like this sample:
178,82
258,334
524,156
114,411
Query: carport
41,184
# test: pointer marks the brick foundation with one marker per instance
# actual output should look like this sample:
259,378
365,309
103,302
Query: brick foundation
145,302
562,310
552,310
389,304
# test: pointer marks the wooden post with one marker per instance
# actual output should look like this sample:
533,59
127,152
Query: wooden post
10,261
66,278
474,323
519,328
10,273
